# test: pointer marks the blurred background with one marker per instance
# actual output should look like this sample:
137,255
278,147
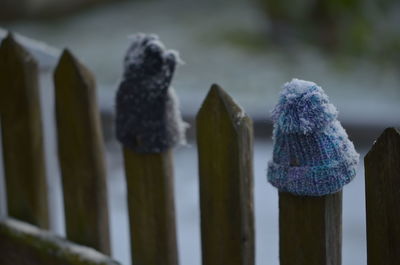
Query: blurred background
249,47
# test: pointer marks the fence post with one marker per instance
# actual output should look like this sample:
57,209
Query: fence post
151,207
225,142
310,229
21,124
81,155
382,194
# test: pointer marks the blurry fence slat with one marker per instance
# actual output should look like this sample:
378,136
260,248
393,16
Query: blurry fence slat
149,180
81,155
21,125
224,137
382,186
310,229
24,244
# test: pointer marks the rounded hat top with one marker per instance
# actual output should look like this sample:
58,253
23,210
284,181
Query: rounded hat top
303,108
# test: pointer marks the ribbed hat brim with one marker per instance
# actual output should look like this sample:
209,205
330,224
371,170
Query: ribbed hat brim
312,180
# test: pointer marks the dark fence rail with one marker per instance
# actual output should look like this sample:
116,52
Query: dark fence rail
310,228
24,244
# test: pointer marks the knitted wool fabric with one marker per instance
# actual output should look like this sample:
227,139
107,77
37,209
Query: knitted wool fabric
312,154
148,119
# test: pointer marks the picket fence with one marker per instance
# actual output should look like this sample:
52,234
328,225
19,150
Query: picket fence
310,228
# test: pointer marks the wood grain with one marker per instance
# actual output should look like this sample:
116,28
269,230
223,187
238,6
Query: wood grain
81,155
225,142
310,229
21,125
149,179
382,194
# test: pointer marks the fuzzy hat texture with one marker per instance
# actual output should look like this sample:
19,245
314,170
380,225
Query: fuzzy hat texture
312,154
148,119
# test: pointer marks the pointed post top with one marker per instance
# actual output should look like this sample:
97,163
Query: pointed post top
385,140
69,67
11,50
67,61
18,70
67,56
9,40
218,99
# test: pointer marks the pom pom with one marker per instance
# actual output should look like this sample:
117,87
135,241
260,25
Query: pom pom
303,108
148,118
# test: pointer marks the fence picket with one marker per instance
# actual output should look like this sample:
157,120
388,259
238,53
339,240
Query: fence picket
22,138
382,187
81,155
225,140
310,229
149,179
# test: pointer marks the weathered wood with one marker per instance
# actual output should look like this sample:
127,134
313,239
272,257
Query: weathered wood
81,155
149,179
225,142
22,138
310,229
382,194
24,244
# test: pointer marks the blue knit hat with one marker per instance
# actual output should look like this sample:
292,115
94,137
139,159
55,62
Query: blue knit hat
312,154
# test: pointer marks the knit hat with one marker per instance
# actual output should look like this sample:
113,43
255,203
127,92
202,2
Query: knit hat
312,154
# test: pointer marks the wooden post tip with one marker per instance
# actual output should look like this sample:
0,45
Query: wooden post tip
69,66
9,38
67,59
392,131
218,98
388,133
67,55
12,49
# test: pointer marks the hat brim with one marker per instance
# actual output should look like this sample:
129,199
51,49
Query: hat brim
312,180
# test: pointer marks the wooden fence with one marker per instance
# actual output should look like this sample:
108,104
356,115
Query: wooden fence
310,227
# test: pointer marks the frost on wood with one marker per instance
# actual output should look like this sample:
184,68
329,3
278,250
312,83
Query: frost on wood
148,117
20,241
